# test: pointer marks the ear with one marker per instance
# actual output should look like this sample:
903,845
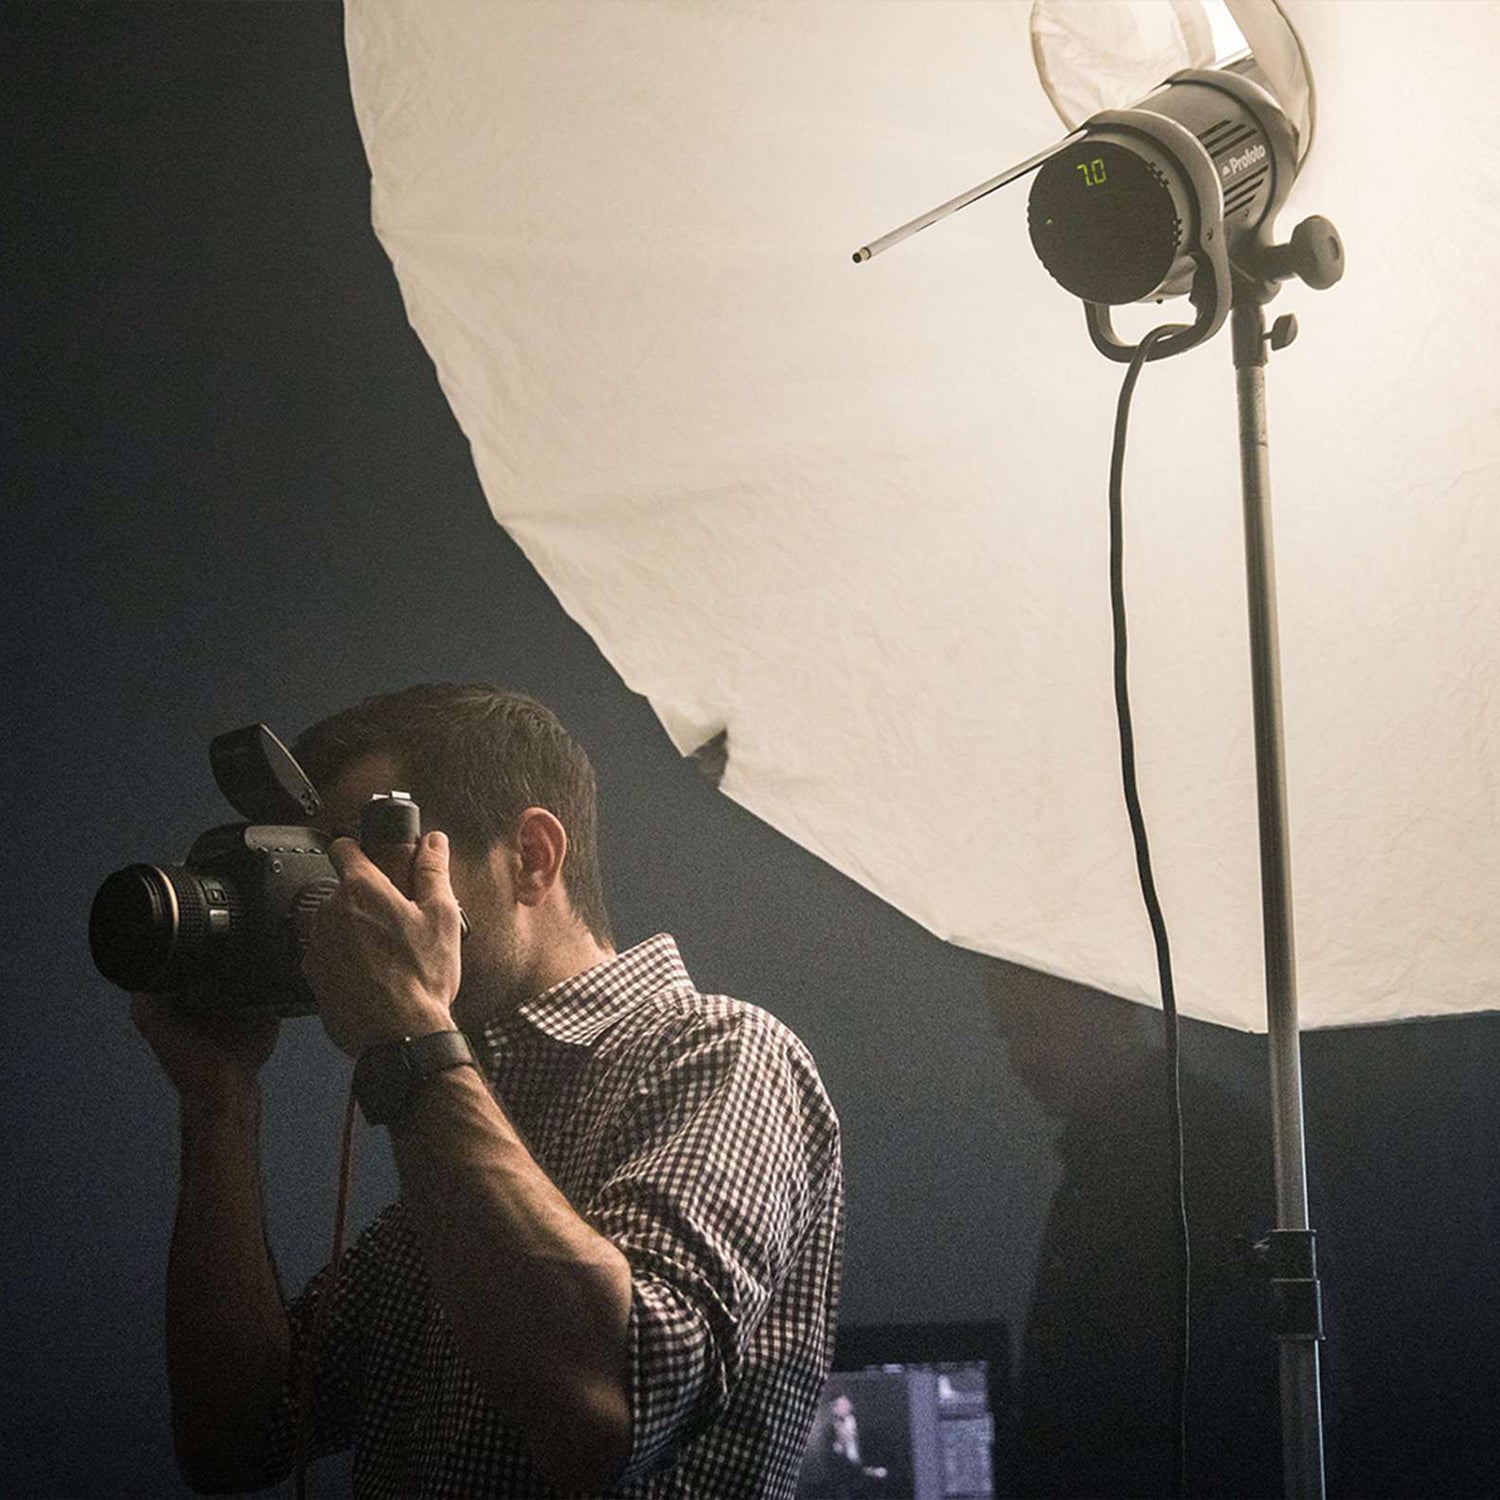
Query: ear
541,845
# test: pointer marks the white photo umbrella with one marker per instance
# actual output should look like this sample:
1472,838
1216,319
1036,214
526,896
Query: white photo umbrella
852,519
846,532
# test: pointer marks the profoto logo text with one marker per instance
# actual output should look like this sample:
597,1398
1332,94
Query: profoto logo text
1237,164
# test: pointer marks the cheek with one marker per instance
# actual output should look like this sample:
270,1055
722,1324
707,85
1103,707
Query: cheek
471,893
486,939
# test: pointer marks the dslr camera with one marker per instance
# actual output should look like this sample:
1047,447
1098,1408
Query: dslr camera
226,929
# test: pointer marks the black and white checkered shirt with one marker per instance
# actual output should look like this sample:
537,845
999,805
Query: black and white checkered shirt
693,1131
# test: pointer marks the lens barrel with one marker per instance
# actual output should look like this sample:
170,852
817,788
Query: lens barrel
158,928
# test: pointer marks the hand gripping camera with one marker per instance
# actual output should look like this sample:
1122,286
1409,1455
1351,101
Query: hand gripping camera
227,927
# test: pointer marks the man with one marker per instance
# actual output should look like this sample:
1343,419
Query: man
613,1267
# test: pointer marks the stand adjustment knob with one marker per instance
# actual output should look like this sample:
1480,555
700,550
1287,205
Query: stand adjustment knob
1314,254
1283,331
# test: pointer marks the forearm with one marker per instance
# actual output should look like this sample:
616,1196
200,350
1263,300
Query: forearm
228,1342
539,1301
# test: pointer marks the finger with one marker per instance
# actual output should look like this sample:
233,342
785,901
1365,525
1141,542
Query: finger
341,853
430,882
146,1011
352,864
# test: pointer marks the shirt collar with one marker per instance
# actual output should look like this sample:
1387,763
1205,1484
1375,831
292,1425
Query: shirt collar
576,1010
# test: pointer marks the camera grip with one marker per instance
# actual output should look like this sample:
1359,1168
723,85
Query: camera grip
395,819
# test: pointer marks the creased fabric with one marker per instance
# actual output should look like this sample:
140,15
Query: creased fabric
847,523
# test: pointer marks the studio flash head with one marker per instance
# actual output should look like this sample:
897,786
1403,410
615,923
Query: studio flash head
1175,196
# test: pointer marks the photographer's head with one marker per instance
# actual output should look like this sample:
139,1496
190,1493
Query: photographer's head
516,796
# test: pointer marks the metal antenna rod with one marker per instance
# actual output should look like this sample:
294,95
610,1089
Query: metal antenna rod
952,206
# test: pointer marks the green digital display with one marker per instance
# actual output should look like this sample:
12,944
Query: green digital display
1115,236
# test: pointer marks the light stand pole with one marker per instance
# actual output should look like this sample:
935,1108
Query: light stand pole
1297,1301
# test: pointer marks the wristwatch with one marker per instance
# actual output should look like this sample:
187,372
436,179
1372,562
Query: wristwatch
387,1074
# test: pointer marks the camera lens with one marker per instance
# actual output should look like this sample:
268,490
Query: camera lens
132,926
157,928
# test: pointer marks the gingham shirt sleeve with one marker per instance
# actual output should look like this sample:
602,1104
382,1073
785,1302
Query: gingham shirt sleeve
336,1389
729,1150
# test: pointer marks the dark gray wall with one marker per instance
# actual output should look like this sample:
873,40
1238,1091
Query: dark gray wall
234,492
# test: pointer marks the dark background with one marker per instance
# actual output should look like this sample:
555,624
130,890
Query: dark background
234,492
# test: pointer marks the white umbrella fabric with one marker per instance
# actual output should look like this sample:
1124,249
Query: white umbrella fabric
853,518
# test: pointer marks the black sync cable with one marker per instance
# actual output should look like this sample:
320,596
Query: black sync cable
1148,884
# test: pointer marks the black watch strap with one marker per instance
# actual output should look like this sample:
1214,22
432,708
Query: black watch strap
387,1074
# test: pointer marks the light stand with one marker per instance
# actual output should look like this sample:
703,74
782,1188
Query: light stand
1179,196
1293,1258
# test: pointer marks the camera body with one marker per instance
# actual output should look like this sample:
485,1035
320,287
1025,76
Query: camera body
226,929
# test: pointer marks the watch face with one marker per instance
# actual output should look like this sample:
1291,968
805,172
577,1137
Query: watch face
386,1072
382,1077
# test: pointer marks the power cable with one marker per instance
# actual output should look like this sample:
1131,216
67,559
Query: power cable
1148,888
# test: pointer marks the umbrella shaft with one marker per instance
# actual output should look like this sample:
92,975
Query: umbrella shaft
952,206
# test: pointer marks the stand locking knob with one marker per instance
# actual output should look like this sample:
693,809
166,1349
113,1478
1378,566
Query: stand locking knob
1314,254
